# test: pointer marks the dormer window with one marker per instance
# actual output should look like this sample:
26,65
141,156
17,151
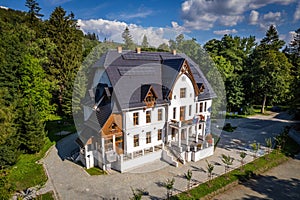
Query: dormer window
148,95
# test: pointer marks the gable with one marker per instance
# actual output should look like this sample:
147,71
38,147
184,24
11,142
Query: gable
113,126
186,70
148,95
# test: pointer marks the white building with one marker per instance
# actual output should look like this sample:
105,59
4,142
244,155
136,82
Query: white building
144,106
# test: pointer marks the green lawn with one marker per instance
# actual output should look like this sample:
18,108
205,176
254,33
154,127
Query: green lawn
95,171
27,172
47,196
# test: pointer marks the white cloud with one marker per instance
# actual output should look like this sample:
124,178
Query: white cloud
205,14
230,20
223,32
272,16
253,18
3,7
297,13
58,2
112,30
141,12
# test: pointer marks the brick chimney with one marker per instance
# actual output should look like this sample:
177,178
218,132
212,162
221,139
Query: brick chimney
174,52
138,50
119,49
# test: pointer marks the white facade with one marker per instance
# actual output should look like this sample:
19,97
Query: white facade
174,130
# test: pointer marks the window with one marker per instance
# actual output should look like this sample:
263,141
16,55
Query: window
196,107
205,106
159,134
148,137
159,115
182,92
182,113
136,140
190,110
136,118
201,107
200,126
148,116
174,113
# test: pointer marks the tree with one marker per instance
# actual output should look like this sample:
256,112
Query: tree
169,186
127,38
163,47
292,51
271,41
145,43
188,176
242,156
137,194
34,87
227,160
34,10
31,129
269,76
255,147
268,144
66,57
210,168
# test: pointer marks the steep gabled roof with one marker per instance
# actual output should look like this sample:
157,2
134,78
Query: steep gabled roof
128,71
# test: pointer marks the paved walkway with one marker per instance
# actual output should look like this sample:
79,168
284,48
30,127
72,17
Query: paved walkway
70,181
281,182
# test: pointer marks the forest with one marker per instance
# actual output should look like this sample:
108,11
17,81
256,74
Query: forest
40,58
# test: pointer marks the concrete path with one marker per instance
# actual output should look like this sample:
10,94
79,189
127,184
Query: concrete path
70,181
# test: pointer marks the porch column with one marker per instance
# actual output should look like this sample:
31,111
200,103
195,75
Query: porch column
196,129
179,137
187,135
103,153
114,142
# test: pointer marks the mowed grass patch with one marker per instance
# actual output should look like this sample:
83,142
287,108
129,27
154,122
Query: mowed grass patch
46,196
27,172
95,171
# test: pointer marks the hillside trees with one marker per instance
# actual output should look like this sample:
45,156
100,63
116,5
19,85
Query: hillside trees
66,57
269,70
230,55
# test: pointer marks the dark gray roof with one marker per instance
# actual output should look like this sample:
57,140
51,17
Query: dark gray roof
129,71
131,75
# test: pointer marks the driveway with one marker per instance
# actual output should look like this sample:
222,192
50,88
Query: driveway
70,181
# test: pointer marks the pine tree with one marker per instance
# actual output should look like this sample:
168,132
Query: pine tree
127,38
34,10
31,129
271,41
145,43
66,57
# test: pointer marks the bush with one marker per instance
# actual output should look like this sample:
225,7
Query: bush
247,110
229,128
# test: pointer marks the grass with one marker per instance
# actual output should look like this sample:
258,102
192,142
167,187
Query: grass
46,196
250,170
27,172
95,171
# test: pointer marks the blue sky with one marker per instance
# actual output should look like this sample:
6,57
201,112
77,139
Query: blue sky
162,20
